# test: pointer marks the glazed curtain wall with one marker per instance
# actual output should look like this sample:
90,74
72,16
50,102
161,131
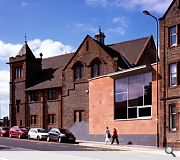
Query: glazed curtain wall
133,97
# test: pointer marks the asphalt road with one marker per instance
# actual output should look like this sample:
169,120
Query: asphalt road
31,149
15,144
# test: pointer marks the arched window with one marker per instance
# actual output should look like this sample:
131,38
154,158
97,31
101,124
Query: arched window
96,68
78,71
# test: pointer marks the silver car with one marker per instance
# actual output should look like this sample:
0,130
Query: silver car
37,133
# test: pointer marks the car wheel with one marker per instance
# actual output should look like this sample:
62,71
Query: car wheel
29,137
38,138
19,136
59,139
10,136
48,139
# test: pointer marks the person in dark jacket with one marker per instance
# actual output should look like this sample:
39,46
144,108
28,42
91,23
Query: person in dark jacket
115,136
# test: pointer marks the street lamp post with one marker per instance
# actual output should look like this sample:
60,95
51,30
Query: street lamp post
157,59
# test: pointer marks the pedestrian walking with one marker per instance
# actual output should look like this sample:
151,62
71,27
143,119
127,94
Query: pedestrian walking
107,136
115,136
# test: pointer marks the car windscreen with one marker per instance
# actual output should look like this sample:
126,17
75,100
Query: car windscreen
64,131
23,129
42,131
5,128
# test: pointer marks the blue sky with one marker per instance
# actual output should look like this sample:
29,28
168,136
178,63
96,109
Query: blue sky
58,26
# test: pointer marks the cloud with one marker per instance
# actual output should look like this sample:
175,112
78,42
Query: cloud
102,3
4,92
85,28
115,31
158,6
48,47
24,4
122,21
120,24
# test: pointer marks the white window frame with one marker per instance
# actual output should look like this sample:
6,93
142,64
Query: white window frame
172,73
172,35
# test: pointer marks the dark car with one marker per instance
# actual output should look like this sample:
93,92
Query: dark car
4,131
60,135
19,132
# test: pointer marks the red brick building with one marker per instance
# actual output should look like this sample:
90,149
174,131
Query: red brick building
54,92
170,73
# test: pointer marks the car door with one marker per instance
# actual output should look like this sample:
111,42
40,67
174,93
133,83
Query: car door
51,134
32,133
56,135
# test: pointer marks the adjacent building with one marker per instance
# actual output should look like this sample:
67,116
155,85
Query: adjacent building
170,74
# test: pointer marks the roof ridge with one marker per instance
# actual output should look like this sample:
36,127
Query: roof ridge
60,55
129,40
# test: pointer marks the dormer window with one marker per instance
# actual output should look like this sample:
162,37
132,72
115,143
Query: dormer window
78,71
96,68
18,72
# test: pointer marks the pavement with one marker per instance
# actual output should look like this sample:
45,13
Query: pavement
135,148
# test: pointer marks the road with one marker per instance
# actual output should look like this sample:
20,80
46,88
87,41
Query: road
17,149
15,144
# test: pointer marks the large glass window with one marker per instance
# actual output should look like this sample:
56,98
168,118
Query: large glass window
96,68
173,36
172,117
173,74
133,97
78,71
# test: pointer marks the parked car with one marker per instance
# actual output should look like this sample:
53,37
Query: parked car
37,133
4,131
19,132
60,135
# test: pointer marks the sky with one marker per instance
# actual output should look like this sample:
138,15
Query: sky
55,27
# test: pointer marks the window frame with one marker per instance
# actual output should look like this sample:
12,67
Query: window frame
79,117
173,73
171,35
18,103
126,91
96,68
18,72
78,71
34,96
51,118
51,94
34,119
171,115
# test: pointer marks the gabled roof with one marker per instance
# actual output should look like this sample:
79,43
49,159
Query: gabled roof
110,51
168,10
51,75
132,49
25,50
